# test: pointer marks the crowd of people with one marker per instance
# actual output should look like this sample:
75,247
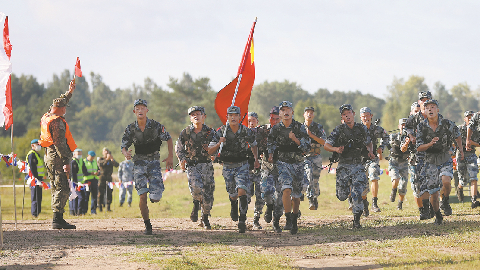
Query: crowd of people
278,163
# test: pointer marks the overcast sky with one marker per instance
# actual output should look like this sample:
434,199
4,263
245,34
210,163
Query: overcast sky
338,45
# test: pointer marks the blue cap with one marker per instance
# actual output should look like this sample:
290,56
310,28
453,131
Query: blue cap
91,153
140,102
467,113
414,106
309,108
274,110
365,110
196,108
424,94
233,109
430,101
345,107
34,141
285,104
253,114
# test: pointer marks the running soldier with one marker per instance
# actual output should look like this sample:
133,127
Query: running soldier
234,155
400,149
290,139
435,136
192,152
147,136
254,174
468,168
271,188
372,166
351,141
313,159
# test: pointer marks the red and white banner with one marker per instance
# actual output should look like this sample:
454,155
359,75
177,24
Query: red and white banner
6,113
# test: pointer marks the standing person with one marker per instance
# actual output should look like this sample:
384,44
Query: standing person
313,159
237,142
147,136
400,148
37,168
352,141
76,176
192,152
468,167
372,166
270,186
125,178
254,175
290,139
105,164
90,180
59,144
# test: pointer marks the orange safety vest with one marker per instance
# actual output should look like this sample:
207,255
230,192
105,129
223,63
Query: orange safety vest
45,136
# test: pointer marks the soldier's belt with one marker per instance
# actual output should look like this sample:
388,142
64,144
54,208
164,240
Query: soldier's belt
351,160
234,164
195,162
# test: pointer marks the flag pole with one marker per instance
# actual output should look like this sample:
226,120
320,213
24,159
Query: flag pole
233,103
13,170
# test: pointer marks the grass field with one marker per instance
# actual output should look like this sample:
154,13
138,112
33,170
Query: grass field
392,239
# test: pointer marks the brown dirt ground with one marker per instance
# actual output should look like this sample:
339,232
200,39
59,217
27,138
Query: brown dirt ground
115,244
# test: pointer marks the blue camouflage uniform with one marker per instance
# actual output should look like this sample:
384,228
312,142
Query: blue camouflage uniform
255,179
147,170
313,162
468,167
192,148
398,161
419,157
372,166
125,175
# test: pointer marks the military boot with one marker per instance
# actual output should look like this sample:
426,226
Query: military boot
242,226
60,223
425,210
234,209
350,203
438,217
459,192
256,221
356,220
100,207
366,213
148,227
268,213
276,225
375,207
400,205
447,209
393,194
194,214
288,223
206,222
475,203
294,229
108,208
312,203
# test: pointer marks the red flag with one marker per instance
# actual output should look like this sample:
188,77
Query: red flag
7,103
78,69
247,70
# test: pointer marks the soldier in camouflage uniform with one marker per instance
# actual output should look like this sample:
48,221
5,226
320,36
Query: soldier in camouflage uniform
59,145
147,136
352,142
192,152
400,149
271,188
254,175
372,166
238,140
313,159
468,168
290,139
435,136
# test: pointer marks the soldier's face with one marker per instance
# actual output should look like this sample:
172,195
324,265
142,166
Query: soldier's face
366,118
308,115
252,122
274,119
286,113
233,118
348,116
432,111
401,127
140,111
414,111
467,119
420,102
197,117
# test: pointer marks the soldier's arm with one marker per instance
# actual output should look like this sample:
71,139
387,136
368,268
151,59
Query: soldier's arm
215,143
58,129
331,141
180,149
32,163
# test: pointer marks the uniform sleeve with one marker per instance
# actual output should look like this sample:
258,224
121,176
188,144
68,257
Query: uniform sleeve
251,137
384,139
271,141
473,124
368,139
58,129
127,138
419,137
410,125
164,135
304,140
32,164
333,137
180,148
321,132
455,130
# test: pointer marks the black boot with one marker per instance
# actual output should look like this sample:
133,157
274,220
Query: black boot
375,207
242,226
288,224
234,209
475,203
366,213
393,194
425,210
438,217
256,221
60,223
268,213
100,207
148,227
194,214
108,208
356,220
447,209
206,222
400,205
294,229
276,225
460,194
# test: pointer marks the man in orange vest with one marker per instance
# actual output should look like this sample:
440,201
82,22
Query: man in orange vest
58,142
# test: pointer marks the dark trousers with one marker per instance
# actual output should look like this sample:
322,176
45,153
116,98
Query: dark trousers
102,189
85,195
36,197
75,204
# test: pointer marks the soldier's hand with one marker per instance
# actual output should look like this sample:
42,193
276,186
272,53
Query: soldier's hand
379,153
292,136
412,138
127,154
308,131
222,139
182,165
339,149
468,145
66,168
169,162
434,140
256,165
270,158
407,140
371,155
72,86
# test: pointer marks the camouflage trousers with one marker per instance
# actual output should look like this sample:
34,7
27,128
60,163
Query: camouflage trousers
271,188
373,169
148,178
202,185
236,176
255,189
351,179
467,170
432,176
399,170
313,168
59,185
417,177
291,176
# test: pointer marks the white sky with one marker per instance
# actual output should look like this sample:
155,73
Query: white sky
338,45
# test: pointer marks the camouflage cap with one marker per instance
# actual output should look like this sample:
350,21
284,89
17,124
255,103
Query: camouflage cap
253,114
309,108
345,107
196,108
365,110
275,110
402,121
233,109
467,113
140,102
60,102
285,104
425,94
430,101
414,106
